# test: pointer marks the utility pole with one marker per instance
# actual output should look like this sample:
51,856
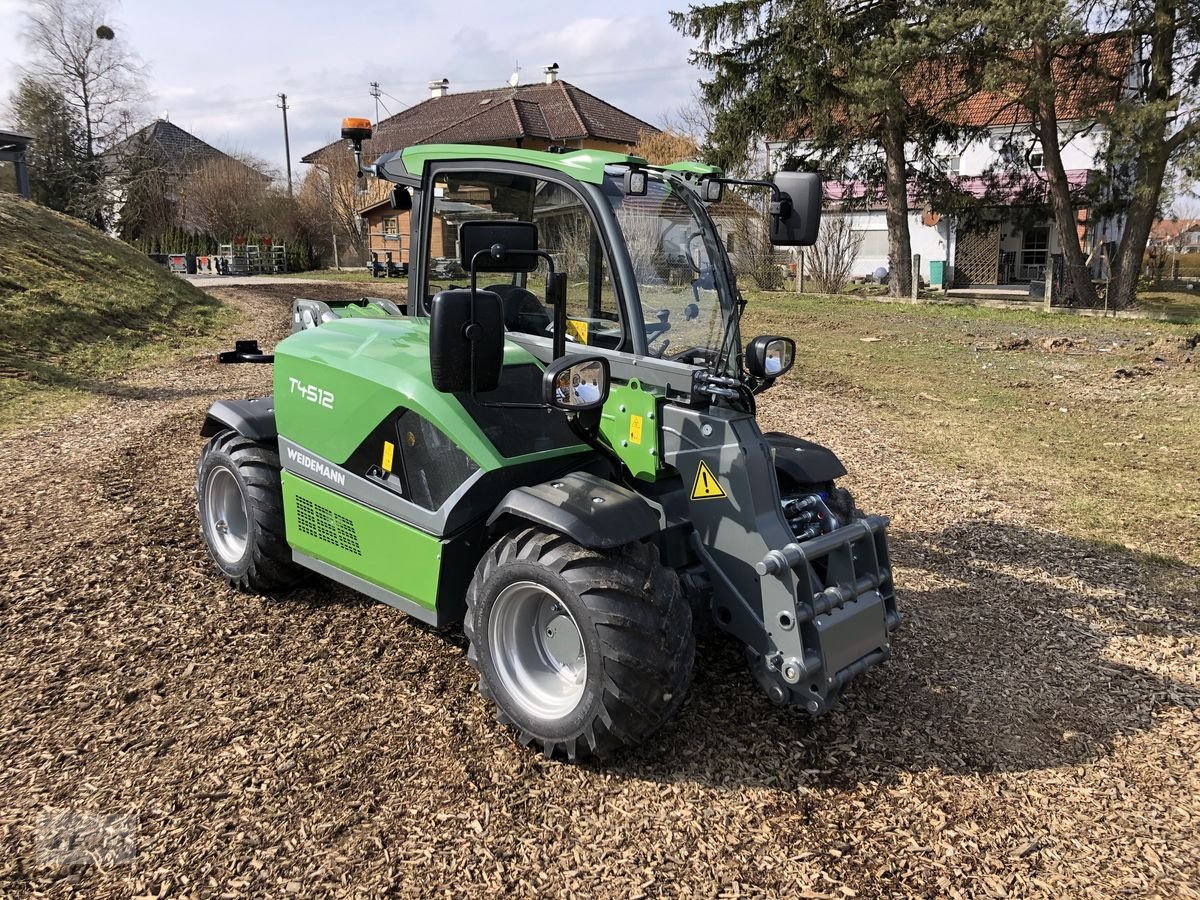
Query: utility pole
375,93
287,146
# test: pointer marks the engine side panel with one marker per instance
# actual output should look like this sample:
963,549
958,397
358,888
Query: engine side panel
335,384
370,545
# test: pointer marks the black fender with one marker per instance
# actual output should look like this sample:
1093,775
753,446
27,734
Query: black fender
803,461
253,418
592,511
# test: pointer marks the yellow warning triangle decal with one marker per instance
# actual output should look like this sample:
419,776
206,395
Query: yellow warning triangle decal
706,487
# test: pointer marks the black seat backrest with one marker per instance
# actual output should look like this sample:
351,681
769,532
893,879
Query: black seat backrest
523,312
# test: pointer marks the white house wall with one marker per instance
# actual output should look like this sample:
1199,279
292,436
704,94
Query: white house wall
932,243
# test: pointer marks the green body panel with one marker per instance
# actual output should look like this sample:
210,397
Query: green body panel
335,383
583,165
629,424
328,527
354,311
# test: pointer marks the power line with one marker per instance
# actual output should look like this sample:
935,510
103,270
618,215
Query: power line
397,99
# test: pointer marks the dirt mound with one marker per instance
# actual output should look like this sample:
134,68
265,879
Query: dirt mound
79,306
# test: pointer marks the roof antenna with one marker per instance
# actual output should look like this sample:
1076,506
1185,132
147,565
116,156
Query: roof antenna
515,78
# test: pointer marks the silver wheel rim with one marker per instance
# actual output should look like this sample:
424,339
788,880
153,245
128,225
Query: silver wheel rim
225,515
537,649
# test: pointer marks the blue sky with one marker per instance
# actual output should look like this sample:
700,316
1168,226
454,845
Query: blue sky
217,75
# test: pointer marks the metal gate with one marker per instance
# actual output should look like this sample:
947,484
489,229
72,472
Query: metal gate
977,256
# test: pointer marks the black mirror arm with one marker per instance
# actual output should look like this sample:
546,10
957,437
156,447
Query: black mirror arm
473,331
781,203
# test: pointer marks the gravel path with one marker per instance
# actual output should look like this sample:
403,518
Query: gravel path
1037,733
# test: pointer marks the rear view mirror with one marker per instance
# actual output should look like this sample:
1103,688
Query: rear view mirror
796,210
770,356
511,246
712,190
576,384
466,348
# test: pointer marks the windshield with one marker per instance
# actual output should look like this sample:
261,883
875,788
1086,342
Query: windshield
672,247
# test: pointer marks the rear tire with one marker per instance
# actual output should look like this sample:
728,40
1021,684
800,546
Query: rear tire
583,651
239,501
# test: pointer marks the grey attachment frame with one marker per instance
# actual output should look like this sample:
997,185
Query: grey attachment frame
812,615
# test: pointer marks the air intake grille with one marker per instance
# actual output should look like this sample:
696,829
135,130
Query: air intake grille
326,525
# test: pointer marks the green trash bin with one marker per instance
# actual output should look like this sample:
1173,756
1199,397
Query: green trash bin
937,268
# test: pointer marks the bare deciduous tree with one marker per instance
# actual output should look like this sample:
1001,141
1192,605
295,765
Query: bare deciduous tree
75,49
225,197
330,198
831,259
664,147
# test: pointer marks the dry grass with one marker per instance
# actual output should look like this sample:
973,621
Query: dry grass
80,308
1036,734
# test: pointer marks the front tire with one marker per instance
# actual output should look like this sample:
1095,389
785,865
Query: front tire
239,501
582,651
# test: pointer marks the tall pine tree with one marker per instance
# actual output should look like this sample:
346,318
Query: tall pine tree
60,173
1130,67
864,91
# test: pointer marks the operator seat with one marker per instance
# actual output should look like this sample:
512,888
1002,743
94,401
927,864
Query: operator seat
523,311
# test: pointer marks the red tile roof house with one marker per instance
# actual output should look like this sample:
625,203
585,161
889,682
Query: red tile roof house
1006,256
1176,235
550,113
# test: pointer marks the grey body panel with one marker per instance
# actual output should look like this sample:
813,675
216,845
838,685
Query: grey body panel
675,378
298,461
374,591
254,418
820,612
592,511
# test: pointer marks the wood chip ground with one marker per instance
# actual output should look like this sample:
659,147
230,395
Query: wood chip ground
1036,735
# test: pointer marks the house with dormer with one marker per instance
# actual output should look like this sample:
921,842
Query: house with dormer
537,116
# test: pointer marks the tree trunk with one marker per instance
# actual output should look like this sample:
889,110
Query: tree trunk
1079,278
900,272
1151,160
1143,209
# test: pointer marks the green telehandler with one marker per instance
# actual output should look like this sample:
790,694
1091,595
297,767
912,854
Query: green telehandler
554,442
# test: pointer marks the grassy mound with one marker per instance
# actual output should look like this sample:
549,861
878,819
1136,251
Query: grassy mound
77,308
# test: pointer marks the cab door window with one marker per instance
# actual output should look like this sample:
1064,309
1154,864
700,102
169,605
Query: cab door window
565,231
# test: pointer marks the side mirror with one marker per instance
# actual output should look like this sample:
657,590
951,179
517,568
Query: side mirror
796,213
465,343
576,384
769,356
511,246
712,190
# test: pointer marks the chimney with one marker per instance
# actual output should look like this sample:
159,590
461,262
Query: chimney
551,73
439,88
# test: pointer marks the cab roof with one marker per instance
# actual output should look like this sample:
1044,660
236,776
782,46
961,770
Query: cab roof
407,165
